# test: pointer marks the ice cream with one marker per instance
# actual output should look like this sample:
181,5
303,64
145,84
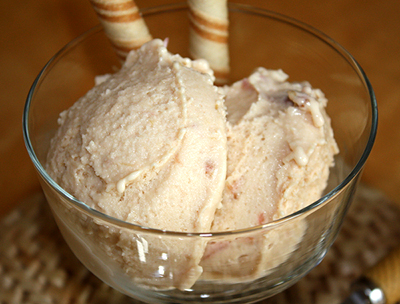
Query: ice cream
280,148
147,145
150,137
158,145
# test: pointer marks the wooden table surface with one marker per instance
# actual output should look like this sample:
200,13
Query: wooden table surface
32,31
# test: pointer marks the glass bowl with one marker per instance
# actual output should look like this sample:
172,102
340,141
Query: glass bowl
146,263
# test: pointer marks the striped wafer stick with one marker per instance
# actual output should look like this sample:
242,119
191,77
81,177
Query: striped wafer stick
209,35
122,24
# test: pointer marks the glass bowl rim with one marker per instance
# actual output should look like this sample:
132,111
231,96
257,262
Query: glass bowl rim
242,8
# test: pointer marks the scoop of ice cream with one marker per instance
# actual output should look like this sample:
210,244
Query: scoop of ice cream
147,144
280,149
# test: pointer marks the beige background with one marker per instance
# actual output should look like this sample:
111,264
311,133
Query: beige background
32,31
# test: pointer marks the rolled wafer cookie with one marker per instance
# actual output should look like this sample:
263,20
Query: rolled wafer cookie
209,35
122,24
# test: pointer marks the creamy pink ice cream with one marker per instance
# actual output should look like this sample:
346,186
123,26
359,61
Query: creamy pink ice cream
153,145
280,148
146,145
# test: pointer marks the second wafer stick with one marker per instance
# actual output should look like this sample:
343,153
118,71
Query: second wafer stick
209,35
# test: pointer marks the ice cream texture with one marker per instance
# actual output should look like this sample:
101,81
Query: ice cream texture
158,145
280,148
148,144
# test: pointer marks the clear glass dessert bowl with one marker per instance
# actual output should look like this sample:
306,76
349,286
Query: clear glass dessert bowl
144,263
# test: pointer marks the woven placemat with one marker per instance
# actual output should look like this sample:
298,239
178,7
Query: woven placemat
36,265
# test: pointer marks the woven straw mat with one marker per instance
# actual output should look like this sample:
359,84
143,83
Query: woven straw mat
36,265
